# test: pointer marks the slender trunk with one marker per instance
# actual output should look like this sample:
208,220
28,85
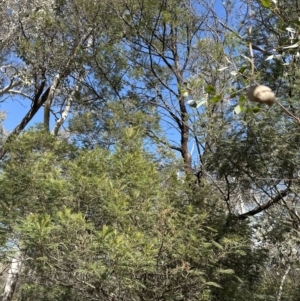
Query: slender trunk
12,277
282,282
185,138
67,108
184,131
48,102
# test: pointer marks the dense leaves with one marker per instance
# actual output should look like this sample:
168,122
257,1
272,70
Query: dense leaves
93,224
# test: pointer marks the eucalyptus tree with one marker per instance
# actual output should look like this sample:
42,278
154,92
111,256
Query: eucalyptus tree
257,159
46,51
193,66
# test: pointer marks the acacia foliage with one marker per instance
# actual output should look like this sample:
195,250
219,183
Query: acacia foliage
94,224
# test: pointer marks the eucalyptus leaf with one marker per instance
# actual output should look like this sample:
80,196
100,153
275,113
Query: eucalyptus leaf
266,3
210,89
237,109
203,102
215,99
223,68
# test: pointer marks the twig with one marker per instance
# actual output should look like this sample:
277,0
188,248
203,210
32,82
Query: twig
288,112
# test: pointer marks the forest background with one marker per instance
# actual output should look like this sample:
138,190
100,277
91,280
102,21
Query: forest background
150,175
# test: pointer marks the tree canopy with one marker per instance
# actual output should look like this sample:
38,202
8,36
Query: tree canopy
153,175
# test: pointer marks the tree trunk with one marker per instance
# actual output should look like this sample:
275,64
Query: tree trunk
12,277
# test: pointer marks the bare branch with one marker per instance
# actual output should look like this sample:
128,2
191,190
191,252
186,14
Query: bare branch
260,208
20,93
12,84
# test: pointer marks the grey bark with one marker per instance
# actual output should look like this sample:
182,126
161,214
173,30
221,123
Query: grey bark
12,277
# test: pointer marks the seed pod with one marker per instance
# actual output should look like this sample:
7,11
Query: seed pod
261,94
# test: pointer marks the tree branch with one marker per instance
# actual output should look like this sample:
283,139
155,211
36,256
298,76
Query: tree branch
255,47
12,84
260,208
37,104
